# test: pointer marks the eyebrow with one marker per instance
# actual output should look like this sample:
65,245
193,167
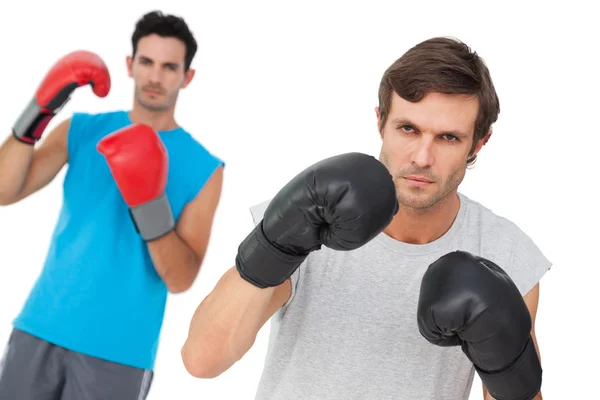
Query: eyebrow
405,121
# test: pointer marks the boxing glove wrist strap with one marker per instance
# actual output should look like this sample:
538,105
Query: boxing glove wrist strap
520,381
32,122
153,219
259,262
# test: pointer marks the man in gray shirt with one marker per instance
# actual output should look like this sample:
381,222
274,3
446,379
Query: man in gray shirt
349,318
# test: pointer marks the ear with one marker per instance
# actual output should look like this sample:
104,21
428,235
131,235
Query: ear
129,62
189,75
482,142
378,119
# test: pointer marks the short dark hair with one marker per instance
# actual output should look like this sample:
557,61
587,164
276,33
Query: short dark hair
155,22
442,65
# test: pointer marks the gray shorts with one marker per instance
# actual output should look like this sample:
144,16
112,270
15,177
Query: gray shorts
33,369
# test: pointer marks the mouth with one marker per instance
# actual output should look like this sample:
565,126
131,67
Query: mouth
417,181
415,178
152,92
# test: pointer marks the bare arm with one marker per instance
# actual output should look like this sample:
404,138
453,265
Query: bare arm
532,300
225,324
25,169
177,256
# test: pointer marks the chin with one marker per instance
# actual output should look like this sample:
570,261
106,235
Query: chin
148,105
416,203
417,199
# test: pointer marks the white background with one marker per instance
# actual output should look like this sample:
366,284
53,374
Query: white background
279,86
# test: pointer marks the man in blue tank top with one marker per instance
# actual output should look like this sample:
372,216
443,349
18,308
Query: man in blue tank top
140,194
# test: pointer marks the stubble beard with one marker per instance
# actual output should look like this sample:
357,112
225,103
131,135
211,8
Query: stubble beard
416,198
139,96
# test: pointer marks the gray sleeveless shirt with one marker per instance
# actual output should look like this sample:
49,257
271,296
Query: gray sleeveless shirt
349,329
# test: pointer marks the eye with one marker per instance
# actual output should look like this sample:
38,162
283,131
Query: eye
450,138
407,128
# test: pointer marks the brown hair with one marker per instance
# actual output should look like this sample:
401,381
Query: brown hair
442,65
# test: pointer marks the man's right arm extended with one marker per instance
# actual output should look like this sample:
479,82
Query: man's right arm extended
226,323
341,202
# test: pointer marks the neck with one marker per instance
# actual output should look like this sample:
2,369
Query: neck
158,120
414,226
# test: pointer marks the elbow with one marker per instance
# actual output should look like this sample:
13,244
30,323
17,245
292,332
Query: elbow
208,354
176,288
5,202
179,284
205,360
199,369
5,199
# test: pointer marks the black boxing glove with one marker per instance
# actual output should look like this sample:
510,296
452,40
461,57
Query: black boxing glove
471,302
341,202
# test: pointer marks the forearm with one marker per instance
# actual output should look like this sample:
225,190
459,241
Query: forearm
225,325
15,160
174,261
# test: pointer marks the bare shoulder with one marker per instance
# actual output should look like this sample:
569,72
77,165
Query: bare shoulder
215,182
208,197
195,222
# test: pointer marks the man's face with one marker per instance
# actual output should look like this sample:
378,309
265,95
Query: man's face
158,71
426,146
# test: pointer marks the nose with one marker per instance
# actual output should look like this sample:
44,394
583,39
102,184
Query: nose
155,75
423,153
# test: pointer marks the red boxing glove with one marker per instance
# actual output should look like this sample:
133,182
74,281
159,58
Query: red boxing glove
70,72
139,164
